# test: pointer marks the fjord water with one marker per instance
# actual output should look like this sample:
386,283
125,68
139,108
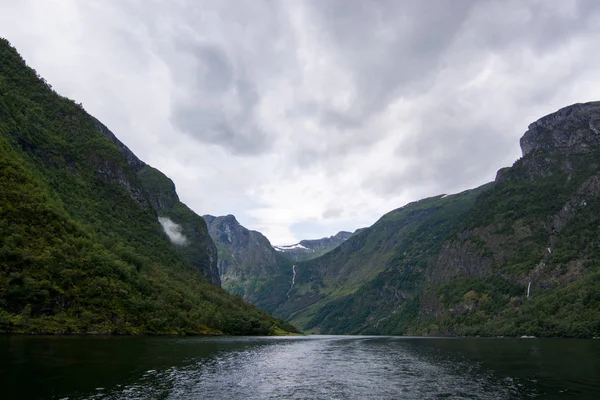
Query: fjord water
314,367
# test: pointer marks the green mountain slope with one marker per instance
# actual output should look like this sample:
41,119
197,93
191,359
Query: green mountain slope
398,244
464,264
81,245
248,264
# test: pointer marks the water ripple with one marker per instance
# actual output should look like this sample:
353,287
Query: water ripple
334,368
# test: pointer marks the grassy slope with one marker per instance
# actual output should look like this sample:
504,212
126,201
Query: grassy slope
81,247
330,295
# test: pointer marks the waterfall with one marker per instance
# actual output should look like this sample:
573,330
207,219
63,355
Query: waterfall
528,289
293,281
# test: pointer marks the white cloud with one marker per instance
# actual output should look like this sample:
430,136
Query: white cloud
173,231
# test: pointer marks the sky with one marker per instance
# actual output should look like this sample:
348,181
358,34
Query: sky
303,118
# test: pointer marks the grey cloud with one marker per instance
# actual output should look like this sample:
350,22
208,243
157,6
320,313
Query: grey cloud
214,73
219,105
220,55
219,67
332,213
392,48
539,26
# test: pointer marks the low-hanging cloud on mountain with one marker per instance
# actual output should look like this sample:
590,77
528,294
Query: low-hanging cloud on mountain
173,231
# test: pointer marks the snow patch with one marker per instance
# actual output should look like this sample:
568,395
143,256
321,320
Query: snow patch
173,231
444,196
292,247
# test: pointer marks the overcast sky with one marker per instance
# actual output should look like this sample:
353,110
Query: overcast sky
303,118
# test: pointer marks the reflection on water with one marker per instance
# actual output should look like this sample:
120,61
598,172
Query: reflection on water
316,367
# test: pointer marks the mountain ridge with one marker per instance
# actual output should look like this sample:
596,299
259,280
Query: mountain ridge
82,247
249,266
518,256
312,248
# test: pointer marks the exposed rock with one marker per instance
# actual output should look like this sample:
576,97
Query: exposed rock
197,248
573,129
466,264
247,263
555,143
131,158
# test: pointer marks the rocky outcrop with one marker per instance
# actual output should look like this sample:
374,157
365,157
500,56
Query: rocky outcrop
131,158
248,265
573,129
516,257
157,191
239,246
556,144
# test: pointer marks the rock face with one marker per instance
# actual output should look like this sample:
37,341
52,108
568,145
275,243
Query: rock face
308,249
195,244
519,256
158,192
573,129
248,264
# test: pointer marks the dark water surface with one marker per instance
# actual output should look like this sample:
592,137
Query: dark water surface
314,367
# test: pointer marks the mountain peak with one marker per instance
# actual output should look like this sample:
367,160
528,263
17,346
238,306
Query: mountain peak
575,128
307,249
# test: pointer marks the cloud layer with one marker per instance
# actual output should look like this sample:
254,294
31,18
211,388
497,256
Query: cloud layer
303,118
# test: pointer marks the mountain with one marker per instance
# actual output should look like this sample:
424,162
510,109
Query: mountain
308,249
248,264
92,239
518,256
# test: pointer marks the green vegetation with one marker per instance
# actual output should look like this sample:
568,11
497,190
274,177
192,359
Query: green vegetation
462,264
199,250
370,283
81,249
249,265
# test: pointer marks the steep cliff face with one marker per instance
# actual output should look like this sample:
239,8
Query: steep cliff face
313,248
248,264
154,190
520,256
186,230
571,130
536,232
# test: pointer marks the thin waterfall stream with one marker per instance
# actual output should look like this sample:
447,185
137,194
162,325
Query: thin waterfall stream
293,280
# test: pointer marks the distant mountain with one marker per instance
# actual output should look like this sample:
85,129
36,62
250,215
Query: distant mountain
91,238
248,265
518,256
308,249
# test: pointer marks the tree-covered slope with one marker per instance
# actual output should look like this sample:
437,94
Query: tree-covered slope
413,232
518,257
81,245
248,264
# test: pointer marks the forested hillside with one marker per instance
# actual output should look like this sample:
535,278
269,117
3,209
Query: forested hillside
81,245
520,256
